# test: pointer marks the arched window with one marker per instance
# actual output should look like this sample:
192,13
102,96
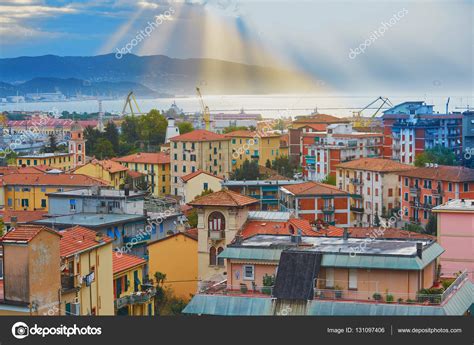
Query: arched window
216,221
212,256
79,147
292,229
220,261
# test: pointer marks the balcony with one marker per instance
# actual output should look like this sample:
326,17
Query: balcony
139,237
356,181
357,209
437,192
216,235
68,282
138,297
414,191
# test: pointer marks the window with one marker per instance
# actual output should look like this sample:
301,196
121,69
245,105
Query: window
216,221
72,205
390,192
330,277
220,261
212,256
406,181
43,202
352,279
24,202
466,186
205,186
249,273
450,187
406,197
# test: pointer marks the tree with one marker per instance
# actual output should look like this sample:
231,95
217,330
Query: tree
268,164
431,227
52,144
111,134
279,125
248,171
329,179
438,154
2,227
103,149
376,220
284,166
185,127
413,227
234,128
92,135
192,218
152,127
130,129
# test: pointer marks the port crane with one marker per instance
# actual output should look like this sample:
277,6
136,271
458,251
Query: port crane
358,121
206,115
128,102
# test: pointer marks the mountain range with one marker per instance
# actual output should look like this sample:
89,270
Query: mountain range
148,74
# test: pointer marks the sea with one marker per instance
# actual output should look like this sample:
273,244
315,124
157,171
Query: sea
269,106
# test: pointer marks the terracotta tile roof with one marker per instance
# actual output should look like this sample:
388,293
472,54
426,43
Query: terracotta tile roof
314,188
442,173
190,176
8,170
109,165
24,233
254,227
193,233
125,262
22,216
223,198
37,169
358,135
145,157
244,134
316,126
199,135
51,180
375,164
135,174
321,118
78,239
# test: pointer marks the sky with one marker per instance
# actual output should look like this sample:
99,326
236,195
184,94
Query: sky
351,45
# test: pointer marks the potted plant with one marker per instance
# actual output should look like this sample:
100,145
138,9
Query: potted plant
243,288
268,282
389,298
400,300
338,291
376,296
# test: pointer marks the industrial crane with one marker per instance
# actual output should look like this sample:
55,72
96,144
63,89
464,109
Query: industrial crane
128,101
359,122
206,115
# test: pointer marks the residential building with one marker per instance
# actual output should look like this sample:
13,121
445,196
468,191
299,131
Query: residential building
220,216
468,132
193,184
107,170
182,274
412,127
323,276
254,146
456,235
28,192
199,150
220,121
266,191
86,272
96,200
31,283
317,202
375,187
12,219
305,124
132,295
156,168
63,161
425,188
171,130
322,151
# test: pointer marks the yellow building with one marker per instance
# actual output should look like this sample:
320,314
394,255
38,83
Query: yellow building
182,273
28,192
86,273
192,185
155,166
257,146
63,161
199,150
131,295
112,172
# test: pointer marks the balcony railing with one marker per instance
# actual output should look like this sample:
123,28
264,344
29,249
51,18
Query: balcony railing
138,297
414,191
68,281
216,235
357,209
454,285
328,209
356,181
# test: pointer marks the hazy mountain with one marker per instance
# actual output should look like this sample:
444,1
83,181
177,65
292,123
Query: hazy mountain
72,87
157,72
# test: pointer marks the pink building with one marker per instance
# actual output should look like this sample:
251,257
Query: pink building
456,236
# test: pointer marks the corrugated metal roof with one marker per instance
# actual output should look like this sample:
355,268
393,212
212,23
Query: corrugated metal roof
229,306
339,260
268,215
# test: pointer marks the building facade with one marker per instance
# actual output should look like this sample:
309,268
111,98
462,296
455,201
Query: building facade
193,184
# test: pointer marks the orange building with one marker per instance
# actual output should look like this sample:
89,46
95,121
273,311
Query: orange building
317,201
424,188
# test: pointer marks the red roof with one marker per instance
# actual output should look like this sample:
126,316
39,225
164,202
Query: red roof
51,180
262,227
375,164
109,165
125,262
145,157
442,173
314,188
199,135
24,233
193,233
223,198
8,170
321,118
135,174
22,216
190,176
78,239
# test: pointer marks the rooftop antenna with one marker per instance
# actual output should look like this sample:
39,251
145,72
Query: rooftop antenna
447,106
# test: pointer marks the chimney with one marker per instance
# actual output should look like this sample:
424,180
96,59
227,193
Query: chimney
345,235
419,250
98,237
13,222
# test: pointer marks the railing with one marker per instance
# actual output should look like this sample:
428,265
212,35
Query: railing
454,285
356,181
245,288
138,297
414,190
216,235
328,209
436,192
67,281
357,209
139,237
